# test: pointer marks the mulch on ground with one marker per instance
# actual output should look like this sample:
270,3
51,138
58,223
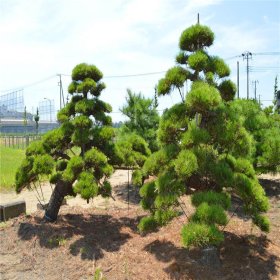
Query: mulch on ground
83,240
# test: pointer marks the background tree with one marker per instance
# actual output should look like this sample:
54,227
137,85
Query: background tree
264,126
78,155
143,118
36,119
204,147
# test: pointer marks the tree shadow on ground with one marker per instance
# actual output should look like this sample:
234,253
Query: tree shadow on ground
271,187
88,235
244,257
121,191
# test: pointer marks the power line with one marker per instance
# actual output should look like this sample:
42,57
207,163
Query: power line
267,53
135,75
232,57
127,75
261,53
244,55
31,84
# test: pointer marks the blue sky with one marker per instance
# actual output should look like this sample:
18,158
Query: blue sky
41,38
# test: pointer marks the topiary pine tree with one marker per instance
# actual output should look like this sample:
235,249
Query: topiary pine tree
77,156
204,148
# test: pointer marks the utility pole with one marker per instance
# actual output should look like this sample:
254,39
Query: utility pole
259,99
247,55
255,86
198,18
238,79
62,103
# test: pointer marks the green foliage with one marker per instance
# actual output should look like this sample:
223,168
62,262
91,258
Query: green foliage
147,224
85,107
105,189
171,124
269,148
61,165
35,148
174,78
74,167
84,71
43,165
161,158
228,132
137,177
25,174
77,156
264,128
163,200
195,135
132,150
219,67
202,98
196,37
244,166
207,145
222,173
163,87
185,164
262,222
94,158
210,214
162,217
182,57
82,122
198,61
200,235
252,194
86,185
143,118
211,198
227,89
148,194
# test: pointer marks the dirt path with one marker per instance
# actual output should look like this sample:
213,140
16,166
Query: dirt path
118,180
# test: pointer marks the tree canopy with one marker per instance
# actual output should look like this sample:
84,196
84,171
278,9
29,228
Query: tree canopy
77,157
205,148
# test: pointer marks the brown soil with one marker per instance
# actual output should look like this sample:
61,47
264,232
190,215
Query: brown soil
84,239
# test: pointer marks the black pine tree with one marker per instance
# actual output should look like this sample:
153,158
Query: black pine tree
77,156
204,148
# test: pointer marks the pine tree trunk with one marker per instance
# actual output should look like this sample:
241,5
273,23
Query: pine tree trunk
60,191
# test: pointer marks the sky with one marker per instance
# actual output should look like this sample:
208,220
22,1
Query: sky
42,38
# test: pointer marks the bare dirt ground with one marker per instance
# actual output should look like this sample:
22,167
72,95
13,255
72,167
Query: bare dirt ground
104,235
119,179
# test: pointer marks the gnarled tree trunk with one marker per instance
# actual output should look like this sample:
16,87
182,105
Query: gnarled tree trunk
61,189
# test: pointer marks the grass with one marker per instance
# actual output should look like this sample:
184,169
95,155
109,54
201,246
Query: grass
10,159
